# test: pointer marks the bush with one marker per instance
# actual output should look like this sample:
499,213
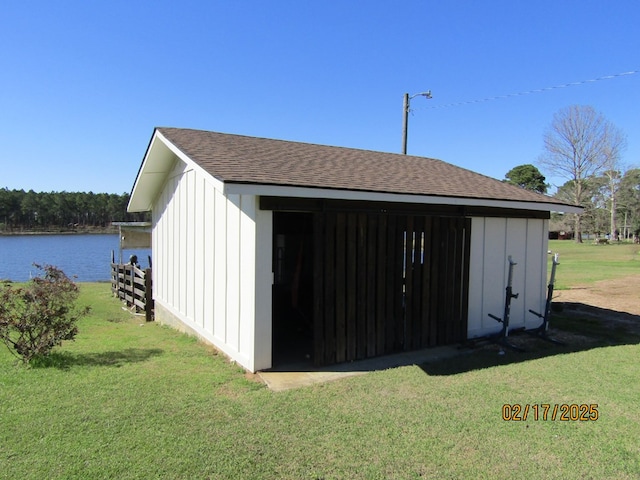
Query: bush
39,316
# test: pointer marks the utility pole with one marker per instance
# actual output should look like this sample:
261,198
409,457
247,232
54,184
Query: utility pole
405,115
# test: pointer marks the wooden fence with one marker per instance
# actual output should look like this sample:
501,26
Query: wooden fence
133,286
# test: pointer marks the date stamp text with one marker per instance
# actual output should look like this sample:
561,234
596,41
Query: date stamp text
564,412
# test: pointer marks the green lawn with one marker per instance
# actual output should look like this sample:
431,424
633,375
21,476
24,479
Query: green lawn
134,400
586,263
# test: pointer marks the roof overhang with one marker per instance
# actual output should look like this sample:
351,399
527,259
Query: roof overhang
156,165
161,156
305,192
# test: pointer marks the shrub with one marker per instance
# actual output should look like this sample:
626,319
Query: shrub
40,315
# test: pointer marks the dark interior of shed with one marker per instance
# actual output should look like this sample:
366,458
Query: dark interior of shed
292,288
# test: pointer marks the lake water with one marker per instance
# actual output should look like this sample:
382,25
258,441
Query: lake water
87,257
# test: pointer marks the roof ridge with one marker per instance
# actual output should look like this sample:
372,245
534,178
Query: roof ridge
300,142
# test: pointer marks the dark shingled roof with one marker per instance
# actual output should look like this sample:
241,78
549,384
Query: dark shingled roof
261,161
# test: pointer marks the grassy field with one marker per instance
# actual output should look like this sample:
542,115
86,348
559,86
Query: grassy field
134,400
586,263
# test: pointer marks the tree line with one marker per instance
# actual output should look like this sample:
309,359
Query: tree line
598,200
41,211
582,147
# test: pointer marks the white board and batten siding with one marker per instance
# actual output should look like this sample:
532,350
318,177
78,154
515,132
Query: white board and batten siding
213,254
212,265
493,240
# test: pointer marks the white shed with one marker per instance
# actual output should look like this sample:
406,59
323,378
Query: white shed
278,251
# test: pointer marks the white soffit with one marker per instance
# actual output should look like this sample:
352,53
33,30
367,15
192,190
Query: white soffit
158,163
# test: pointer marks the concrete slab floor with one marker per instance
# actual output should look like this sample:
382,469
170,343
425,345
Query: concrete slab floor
292,376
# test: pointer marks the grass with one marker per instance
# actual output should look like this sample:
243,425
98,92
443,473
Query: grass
586,263
129,400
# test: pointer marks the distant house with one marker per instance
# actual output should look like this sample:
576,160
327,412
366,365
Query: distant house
278,251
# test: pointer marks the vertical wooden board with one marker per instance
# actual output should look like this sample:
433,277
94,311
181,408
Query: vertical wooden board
184,246
156,234
220,265
169,250
425,284
168,276
417,267
372,261
161,247
318,289
176,251
464,292
174,244
173,252
408,282
517,248
450,226
330,289
495,271
341,282
361,292
148,295
392,285
546,272
198,256
534,297
170,245
475,313
233,271
399,257
381,284
446,264
192,231
158,238
264,290
247,285
436,280
351,286
208,259
458,233
455,280
179,262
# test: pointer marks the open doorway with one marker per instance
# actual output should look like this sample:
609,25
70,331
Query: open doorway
292,288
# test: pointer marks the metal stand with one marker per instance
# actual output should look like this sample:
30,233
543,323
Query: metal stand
501,337
542,330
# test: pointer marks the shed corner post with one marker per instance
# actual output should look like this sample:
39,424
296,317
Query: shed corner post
263,327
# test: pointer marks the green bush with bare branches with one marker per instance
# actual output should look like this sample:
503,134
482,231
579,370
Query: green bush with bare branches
39,315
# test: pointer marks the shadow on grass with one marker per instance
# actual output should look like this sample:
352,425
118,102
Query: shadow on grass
580,327
66,360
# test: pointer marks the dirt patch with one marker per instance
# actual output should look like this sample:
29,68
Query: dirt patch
613,304
618,295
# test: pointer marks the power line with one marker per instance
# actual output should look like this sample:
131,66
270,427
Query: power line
530,92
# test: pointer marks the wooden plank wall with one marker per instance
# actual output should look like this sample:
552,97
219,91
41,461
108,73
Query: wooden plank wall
385,283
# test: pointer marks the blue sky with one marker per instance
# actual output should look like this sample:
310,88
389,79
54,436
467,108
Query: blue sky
84,83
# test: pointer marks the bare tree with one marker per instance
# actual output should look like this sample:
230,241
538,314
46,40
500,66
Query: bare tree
629,201
613,177
613,174
579,144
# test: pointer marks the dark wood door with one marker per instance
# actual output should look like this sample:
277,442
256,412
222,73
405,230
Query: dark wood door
384,283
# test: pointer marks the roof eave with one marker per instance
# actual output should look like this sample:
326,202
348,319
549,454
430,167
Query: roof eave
156,165
338,194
